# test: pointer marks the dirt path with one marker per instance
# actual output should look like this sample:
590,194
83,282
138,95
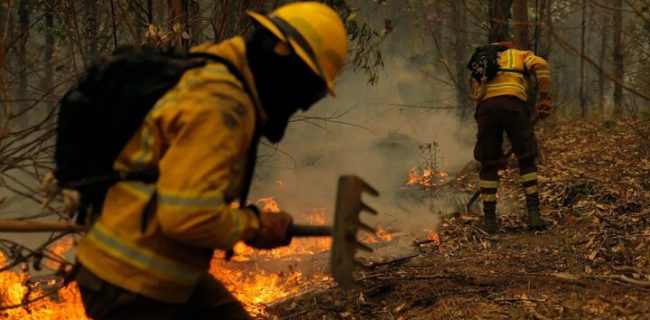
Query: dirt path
592,263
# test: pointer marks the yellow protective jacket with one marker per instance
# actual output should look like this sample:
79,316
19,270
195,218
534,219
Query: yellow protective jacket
197,136
514,83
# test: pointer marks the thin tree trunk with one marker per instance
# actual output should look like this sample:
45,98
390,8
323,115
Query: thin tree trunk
499,12
138,20
150,11
4,105
177,17
460,51
546,20
521,25
49,49
23,24
619,67
195,23
583,93
601,75
522,41
91,27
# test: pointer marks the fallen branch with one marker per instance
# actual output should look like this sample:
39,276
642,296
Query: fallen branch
393,261
626,279
9,225
617,277
520,299
423,242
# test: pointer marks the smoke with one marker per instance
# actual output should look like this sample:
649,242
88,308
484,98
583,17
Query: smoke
374,132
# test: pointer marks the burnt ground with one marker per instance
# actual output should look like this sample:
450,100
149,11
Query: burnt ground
593,262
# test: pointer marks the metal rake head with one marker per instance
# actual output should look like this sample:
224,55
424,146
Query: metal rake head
346,224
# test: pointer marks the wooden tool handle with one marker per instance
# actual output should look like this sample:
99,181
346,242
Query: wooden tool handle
309,231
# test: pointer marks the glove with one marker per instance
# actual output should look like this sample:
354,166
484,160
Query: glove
273,230
544,108
71,198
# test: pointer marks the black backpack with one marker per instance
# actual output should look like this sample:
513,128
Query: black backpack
484,63
102,112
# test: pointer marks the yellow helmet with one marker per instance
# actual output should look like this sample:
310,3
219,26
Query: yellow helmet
316,34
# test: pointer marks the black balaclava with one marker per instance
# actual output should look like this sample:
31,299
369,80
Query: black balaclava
284,83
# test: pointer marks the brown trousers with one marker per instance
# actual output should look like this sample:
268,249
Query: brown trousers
210,300
494,116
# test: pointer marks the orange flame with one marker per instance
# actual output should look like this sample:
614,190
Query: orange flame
15,288
433,236
269,204
253,285
425,177
383,235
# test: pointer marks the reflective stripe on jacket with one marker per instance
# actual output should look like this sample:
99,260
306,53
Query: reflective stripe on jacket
515,83
197,135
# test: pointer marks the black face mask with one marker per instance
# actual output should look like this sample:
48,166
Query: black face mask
285,84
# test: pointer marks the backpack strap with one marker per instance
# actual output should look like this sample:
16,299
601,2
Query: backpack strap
523,72
252,151
231,68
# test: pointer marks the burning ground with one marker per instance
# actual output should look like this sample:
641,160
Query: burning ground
592,263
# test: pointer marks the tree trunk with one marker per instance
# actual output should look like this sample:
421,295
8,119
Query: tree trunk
583,93
521,25
91,28
4,109
460,51
23,33
150,11
139,19
49,50
499,12
195,24
619,70
177,17
545,19
601,75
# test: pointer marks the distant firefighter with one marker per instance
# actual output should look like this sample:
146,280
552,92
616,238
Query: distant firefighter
500,90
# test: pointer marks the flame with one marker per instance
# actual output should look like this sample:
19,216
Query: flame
380,235
383,235
425,177
433,236
269,204
18,286
246,276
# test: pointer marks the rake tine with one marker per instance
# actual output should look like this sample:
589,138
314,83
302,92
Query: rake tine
365,207
361,264
362,246
370,189
366,227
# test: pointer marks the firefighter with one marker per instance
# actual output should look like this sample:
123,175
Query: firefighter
502,106
147,256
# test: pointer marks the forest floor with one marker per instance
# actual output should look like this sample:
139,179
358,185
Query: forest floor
593,262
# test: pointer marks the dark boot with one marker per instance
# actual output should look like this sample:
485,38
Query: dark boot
535,220
490,224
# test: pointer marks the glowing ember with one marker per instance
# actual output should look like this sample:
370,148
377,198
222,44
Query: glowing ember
425,177
268,204
383,235
433,236
380,235
254,286
20,286
246,276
